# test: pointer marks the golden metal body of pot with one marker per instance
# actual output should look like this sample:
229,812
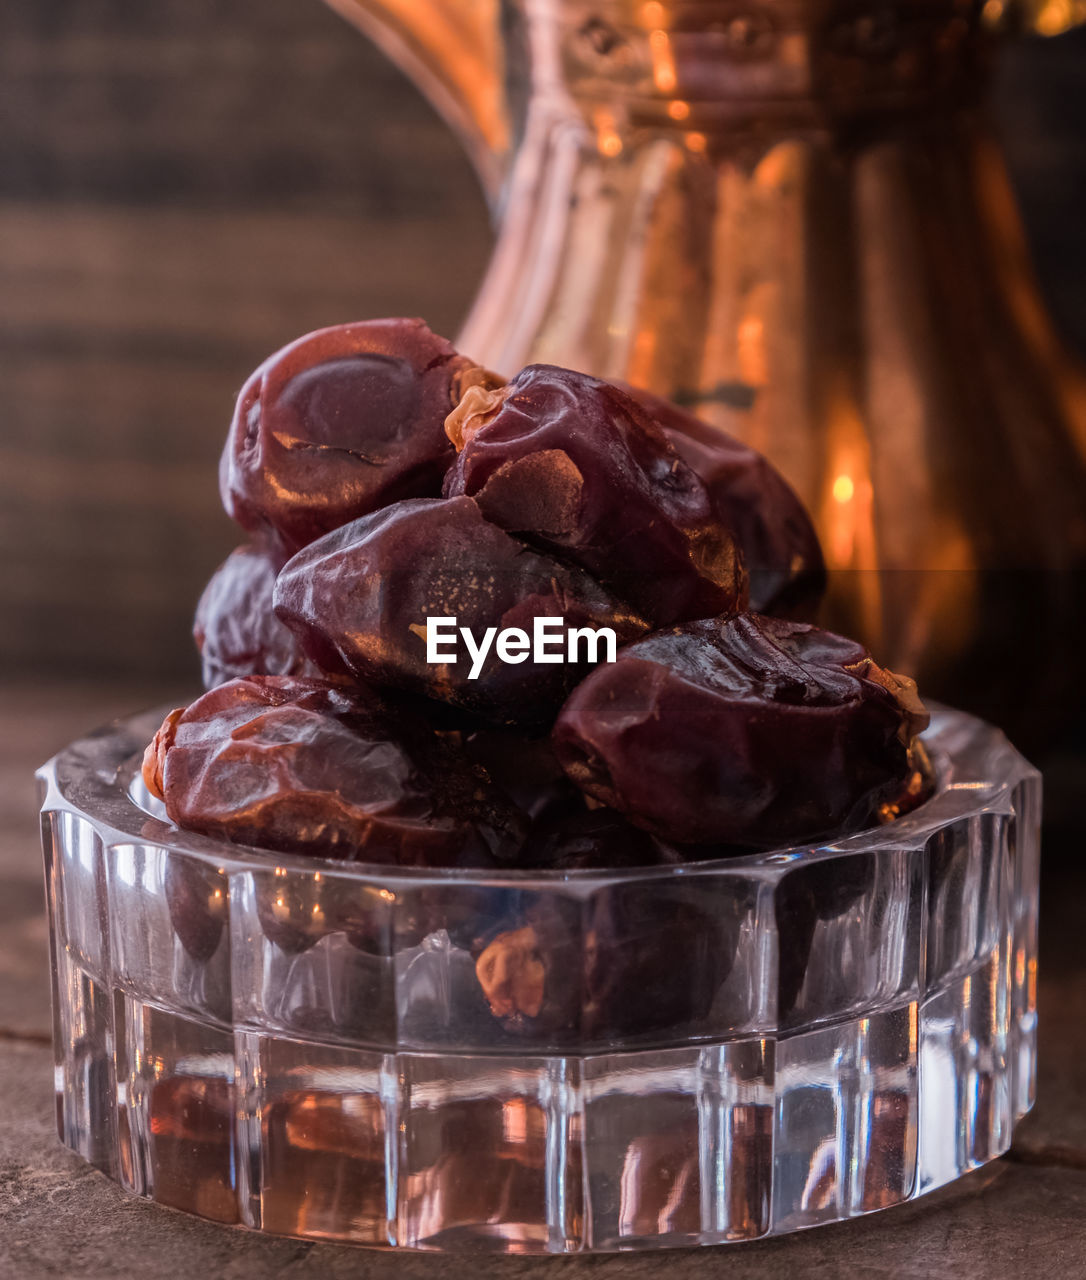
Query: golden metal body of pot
792,217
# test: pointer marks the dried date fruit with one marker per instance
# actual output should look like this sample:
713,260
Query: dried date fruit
297,910
586,839
818,891
529,970
575,466
154,758
633,959
236,630
781,551
661,954
198,900
304,766
525,768
292,911
745,730
362,595
339,423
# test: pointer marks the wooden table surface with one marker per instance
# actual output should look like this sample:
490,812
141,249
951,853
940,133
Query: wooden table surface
1024,1215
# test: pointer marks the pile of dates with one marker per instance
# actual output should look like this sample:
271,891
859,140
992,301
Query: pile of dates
385,480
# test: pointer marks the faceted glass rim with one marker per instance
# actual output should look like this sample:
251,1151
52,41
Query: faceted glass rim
771,1042
976,771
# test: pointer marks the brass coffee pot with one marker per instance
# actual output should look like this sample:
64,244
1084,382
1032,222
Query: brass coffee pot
791,216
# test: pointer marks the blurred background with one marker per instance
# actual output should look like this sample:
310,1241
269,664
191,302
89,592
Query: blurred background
184,186
188,184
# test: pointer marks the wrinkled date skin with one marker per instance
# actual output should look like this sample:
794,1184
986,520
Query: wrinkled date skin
361,596
304,766
780,547
578,468
745,731
339,423
236,630
388,480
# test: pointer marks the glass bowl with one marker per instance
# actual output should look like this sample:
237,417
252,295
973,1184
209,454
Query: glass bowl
543,1062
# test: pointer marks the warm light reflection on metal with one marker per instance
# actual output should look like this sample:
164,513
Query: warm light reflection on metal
663,64
1055,16
843,489
848,521
779,168
848,526
745,268
750,350
607,137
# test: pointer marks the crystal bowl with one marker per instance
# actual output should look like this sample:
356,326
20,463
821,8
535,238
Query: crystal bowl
535,1062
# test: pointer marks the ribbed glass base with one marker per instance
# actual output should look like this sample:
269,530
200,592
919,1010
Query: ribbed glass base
723,1051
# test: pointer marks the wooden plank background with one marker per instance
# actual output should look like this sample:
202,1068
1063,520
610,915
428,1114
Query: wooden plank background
185,185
